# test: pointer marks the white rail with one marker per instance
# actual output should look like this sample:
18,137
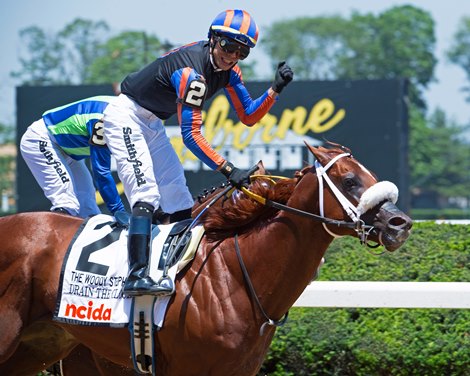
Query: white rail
386,295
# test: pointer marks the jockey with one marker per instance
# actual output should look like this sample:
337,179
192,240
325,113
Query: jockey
55,148
178,83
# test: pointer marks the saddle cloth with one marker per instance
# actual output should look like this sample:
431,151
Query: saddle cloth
95,269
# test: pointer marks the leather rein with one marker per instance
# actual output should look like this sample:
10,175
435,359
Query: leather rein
357,224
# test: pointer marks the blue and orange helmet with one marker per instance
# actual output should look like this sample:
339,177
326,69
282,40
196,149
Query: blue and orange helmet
236,24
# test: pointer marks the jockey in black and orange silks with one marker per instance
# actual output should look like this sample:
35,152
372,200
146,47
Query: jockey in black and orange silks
178,83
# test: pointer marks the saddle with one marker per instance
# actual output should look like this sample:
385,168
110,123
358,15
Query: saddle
175,244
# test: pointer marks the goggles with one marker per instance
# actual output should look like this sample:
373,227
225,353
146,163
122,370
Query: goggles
230,46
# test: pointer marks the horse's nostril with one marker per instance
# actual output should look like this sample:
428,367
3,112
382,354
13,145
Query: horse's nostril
398,221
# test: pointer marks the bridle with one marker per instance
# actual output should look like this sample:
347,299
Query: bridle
362,230
354,212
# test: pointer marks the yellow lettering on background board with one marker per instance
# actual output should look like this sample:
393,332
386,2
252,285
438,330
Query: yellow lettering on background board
220,130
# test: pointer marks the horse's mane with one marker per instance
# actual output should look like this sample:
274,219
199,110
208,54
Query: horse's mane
240,213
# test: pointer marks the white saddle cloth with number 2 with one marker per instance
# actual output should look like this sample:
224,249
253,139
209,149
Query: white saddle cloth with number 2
95,269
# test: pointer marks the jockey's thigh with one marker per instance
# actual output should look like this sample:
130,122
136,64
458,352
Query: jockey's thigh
168,170
84,188
124,123
50,167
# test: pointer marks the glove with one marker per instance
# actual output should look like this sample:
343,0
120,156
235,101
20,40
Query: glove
284,75
238,178
122,217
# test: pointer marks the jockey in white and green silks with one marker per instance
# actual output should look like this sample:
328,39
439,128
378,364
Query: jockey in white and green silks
55,149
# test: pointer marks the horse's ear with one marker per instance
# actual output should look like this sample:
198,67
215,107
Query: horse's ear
315,151
309,147
261,169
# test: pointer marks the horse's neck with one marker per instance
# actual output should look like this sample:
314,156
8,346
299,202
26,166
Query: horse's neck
287,252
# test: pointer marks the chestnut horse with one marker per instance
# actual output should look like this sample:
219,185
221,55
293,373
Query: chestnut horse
260,250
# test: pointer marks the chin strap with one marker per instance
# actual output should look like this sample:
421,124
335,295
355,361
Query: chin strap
211,56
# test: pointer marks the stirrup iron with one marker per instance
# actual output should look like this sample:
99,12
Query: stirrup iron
166,286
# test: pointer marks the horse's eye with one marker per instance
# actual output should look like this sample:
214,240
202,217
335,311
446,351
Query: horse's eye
349,183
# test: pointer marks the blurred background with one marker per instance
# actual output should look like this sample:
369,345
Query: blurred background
389,79
394,74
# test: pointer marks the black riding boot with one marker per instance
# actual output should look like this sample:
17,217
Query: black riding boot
138,246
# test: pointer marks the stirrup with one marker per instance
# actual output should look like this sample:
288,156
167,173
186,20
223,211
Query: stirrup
165,286
138,287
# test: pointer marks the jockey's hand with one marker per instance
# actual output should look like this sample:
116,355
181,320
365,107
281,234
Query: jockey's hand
284,75
122,217
238,178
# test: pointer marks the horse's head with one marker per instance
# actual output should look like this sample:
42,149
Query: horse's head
359,198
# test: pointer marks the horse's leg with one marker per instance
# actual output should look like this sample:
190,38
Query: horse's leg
11,325
15,296
82,361
108,368
42,344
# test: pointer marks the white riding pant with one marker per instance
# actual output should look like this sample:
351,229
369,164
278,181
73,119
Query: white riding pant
66,182
147,164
